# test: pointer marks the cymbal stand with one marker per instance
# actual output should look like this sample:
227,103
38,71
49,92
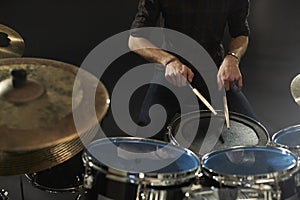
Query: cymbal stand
22,188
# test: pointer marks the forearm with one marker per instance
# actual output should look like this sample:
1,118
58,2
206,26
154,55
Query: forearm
229,73
149,51
176,72
238,45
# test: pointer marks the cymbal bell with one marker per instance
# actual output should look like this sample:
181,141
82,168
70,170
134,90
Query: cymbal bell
11,43
36,119
295,88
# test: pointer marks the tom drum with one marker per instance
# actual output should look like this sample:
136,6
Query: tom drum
270,170
134,168
288,138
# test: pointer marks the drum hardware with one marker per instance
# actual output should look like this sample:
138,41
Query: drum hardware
11,43
244,131
118,170
4,40
39,137
272,172
4,194
17,86
295,88
212,193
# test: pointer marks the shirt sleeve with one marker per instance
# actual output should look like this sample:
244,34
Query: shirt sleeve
147,16
238,18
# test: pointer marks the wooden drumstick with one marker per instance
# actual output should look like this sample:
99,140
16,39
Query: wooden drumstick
226,111
197,93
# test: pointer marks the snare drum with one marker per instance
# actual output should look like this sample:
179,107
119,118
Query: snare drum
134,168
288,138
271,170
65,177
243,131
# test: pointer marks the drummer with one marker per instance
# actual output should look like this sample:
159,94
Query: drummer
205,22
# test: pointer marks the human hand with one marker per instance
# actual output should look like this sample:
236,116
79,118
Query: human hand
229,74
177,73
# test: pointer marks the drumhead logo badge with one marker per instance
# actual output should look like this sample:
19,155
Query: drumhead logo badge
101,57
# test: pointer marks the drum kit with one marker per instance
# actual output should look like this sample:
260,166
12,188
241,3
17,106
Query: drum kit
40,140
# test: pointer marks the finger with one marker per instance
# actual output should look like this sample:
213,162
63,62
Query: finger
179,79
183,80
183,73
169,75
226,85
220,83
240,84
171,80
190,75
231,84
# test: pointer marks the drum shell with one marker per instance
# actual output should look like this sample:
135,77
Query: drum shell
108,187
203,117
65,177
103,182
281,185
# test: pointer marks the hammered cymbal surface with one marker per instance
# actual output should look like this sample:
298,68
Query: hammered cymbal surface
41,133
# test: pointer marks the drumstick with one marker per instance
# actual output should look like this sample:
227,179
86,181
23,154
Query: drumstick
226,111
197,93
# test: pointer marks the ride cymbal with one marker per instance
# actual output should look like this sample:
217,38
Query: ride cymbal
11,43
38,98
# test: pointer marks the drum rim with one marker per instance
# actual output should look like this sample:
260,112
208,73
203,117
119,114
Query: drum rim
30,178
283,131
245,180
237,116
152,179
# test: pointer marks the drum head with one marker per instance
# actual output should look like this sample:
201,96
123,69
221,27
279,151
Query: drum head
288,137
132,156
243,131
249,161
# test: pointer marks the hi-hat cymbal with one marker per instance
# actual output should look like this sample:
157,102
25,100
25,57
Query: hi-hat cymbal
36,119
11,43
295,88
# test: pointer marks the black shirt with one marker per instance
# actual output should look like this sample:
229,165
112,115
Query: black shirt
203,20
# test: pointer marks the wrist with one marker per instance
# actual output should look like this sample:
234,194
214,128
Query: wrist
234,55
168,61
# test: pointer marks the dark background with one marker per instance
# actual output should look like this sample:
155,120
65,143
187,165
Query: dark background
68,30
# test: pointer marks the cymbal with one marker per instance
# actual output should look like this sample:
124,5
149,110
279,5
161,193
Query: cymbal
295,88
11,43
36,119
